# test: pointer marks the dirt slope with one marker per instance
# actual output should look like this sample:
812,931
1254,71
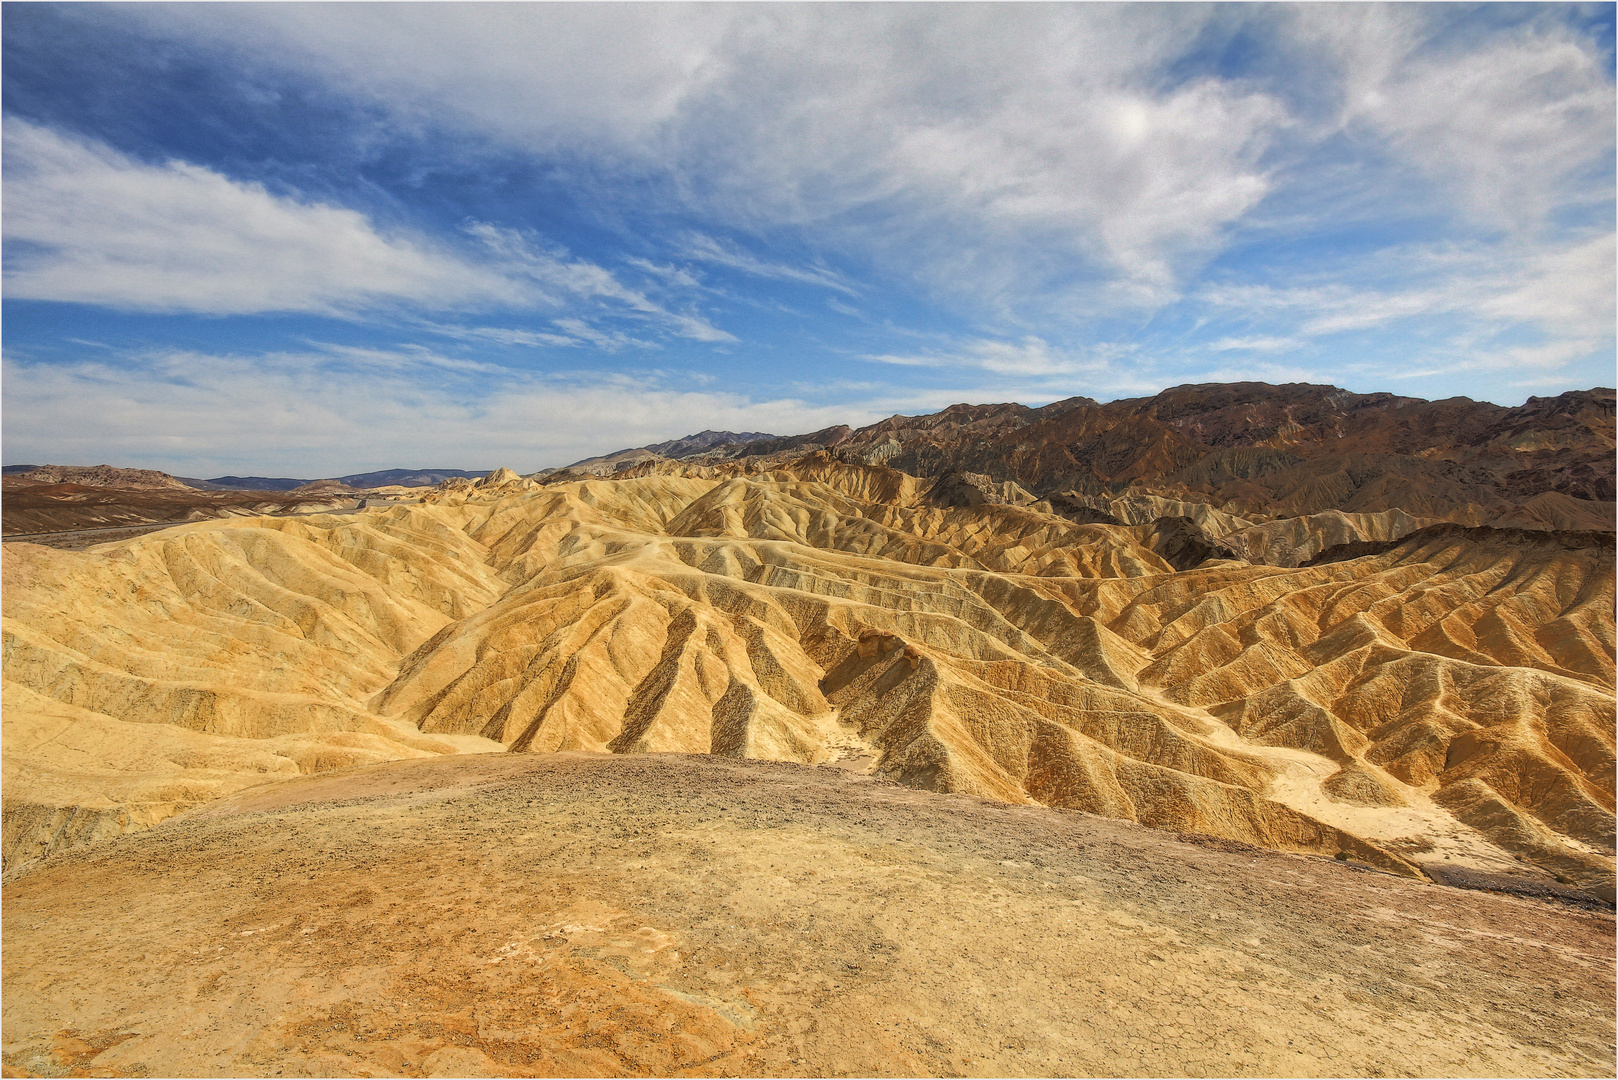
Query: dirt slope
654,915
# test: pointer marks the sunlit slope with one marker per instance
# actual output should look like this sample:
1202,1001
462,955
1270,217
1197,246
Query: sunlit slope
1445,698
146,677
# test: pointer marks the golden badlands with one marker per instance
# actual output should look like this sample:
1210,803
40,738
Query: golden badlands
1449,698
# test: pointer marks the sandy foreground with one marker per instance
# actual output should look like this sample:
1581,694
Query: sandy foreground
578,914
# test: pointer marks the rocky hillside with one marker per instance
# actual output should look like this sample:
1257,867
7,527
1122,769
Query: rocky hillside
1260,452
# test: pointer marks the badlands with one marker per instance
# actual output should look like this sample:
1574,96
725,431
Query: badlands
1141,738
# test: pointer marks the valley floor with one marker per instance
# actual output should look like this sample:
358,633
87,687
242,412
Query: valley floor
656,914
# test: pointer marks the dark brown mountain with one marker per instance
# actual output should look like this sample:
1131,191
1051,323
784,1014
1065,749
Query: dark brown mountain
703,441
1266,451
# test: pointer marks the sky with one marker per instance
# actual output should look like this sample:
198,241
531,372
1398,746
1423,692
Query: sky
309,240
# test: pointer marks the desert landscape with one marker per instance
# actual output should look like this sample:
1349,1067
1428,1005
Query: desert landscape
1272,725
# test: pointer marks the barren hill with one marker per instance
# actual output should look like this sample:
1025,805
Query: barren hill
101,476
1448,699
522,915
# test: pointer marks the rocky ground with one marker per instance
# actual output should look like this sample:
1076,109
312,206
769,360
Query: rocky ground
579,914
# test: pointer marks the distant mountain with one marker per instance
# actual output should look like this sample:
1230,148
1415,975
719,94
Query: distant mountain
823,439
407,477
606,464
249,483
703,441
380,478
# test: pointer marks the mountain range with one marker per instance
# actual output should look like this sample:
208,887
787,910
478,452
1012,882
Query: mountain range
108,476
377,478
1250,449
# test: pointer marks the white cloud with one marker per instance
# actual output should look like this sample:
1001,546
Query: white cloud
698,329
86,224
500,335
1566,292
557,272
984,149
330,411
606,340
1053,168
1044,160
413,359
1031,357
612,76
1254,344
701,248
676,276
1517,124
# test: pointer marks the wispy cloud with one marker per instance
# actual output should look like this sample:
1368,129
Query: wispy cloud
560,275
499,335
1028,357
402,359
676,276
1517,124
86,224
1102,168
1564,291
1253,344
606,340
1143,195
701,248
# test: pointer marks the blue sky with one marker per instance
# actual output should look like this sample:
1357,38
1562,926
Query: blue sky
315,239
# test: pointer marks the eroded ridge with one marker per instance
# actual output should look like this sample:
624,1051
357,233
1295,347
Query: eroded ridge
1449,698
